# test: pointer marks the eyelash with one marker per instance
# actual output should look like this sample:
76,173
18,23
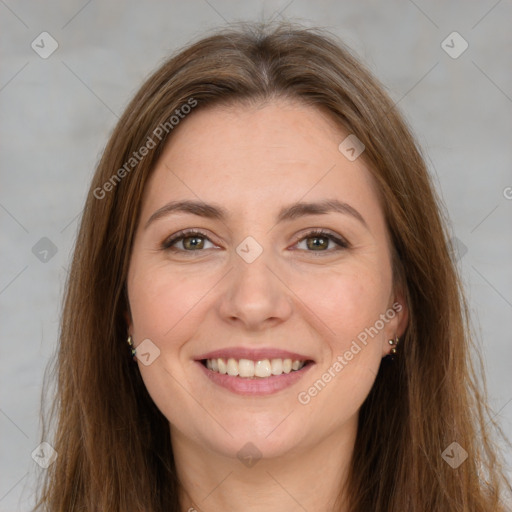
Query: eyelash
189,233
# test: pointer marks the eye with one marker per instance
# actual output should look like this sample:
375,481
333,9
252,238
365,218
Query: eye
191,240
318,241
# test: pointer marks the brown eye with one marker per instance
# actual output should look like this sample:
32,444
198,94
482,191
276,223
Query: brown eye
190,241
193,242
318,241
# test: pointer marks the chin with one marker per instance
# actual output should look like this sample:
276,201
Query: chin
255,435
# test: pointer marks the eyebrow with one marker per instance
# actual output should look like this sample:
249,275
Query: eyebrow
287,213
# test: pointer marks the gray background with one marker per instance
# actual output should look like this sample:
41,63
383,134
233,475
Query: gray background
56,114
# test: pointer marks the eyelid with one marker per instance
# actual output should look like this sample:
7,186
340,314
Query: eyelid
340,241
184,233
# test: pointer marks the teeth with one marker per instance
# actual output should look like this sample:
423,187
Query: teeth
223,367
276,366
246,368
232,367
262,368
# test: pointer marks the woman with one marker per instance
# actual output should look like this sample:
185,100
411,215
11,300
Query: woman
264,234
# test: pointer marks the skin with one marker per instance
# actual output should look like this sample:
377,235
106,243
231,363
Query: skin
293,297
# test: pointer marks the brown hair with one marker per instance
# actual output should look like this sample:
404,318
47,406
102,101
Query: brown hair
113,444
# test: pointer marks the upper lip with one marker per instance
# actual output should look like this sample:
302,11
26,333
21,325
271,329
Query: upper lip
253,354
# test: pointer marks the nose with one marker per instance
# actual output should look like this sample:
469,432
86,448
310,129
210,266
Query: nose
255,294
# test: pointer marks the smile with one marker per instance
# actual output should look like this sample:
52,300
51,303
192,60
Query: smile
253,372
247,368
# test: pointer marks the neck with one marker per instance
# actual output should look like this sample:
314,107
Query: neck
310,479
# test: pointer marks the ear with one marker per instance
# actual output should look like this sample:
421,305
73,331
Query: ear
127,313
403,314
398,324
129,321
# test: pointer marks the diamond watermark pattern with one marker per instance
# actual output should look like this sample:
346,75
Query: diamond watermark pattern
147,352
454,45
44,45
459,248
44,455
454,455
351,147
44,250
249,249
249,455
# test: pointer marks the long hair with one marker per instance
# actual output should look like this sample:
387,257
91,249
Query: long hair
113,444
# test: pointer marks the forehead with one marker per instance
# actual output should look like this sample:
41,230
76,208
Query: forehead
272,153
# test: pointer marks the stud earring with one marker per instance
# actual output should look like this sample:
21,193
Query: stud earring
394,344
133,349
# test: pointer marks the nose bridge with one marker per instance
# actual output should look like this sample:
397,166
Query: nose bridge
254,293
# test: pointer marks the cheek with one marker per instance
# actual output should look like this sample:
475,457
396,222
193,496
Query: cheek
352,306
162,300
165,307
346,302
349,306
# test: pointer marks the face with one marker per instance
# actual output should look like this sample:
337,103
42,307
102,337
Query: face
256,281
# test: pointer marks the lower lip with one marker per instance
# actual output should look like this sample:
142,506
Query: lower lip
257,386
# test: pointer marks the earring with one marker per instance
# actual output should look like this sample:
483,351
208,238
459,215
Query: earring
133,350
394,343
